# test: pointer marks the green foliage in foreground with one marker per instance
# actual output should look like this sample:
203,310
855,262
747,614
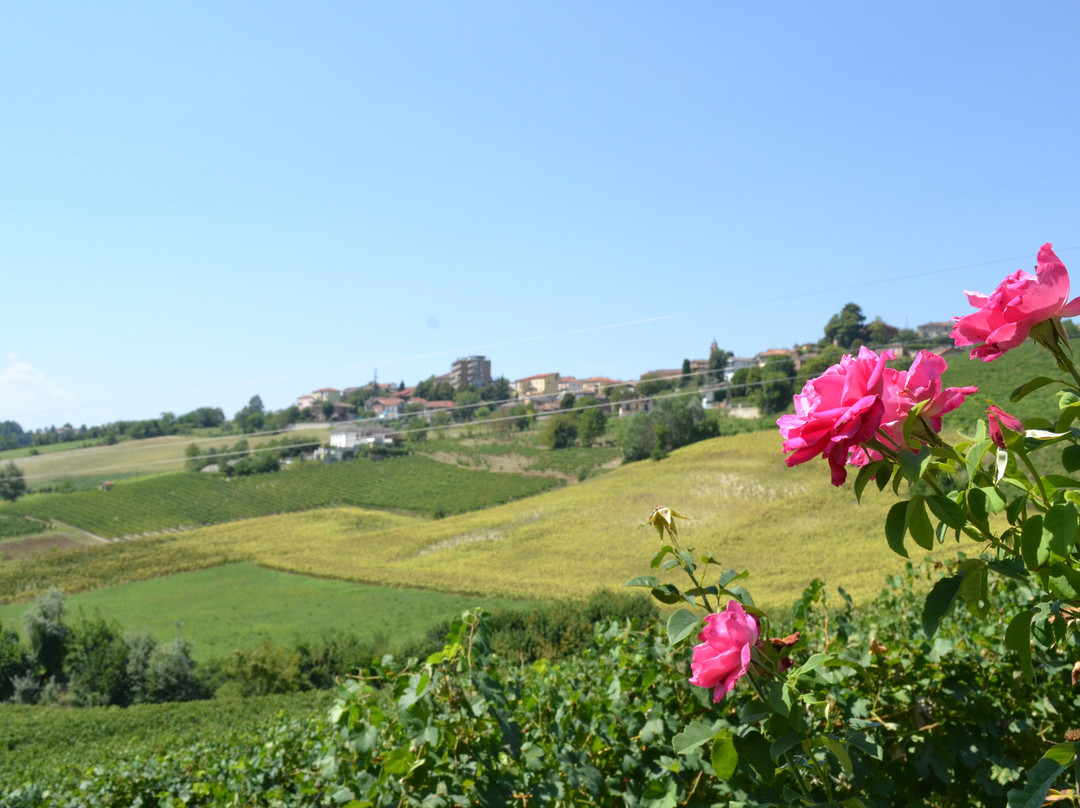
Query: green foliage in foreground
944,723
45,744
172,501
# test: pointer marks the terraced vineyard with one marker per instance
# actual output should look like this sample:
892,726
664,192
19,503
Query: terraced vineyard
186,500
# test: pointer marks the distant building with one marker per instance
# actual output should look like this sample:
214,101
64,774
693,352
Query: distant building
568,384
352,437
737,363
472,371
935,330
542,384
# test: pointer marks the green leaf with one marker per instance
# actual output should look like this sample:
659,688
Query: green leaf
974,456
1034,542
866,474
947,511
784,743
1031,386
1065,582
1018,638
724,755
681,625
1070,458
918,523
694,734
1011,567
1067,416
914,464
840,752
939,602
1061,523
895,527
1062,753
644,580
974,589
979,508
1039,780
754,749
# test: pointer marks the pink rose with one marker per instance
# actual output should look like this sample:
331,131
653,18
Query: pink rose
1021,301
904,389
836,412
998,418
724,653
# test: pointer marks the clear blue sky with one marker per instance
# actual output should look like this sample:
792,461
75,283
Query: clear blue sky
206,201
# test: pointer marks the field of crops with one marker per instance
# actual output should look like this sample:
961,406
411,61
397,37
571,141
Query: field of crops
14,526
240,605
40,742
188,500
786,526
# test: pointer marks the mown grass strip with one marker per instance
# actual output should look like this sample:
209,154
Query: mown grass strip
240,605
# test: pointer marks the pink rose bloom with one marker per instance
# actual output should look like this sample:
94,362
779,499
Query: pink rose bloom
724,653
1021,301
836,412
999,418
904,389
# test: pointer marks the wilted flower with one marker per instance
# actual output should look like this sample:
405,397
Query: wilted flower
663,519
723,656
1021,301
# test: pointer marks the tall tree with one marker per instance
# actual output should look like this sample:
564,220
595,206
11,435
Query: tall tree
846,327
12,482
717,362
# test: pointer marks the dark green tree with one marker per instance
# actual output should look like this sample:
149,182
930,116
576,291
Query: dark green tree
777,387
46,632
559,432
717,363
567,401
12,482
591,423
15,660
846,327
687,380
96,664
465,404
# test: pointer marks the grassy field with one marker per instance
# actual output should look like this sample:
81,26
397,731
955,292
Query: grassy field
520,452
787,526
185,499
127,458
240,605
40,742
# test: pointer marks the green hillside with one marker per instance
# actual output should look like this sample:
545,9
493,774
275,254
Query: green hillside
996,380
188,500
787,526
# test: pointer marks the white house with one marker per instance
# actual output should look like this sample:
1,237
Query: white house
352,437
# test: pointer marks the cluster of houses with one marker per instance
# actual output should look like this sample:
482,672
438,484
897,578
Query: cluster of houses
544,391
